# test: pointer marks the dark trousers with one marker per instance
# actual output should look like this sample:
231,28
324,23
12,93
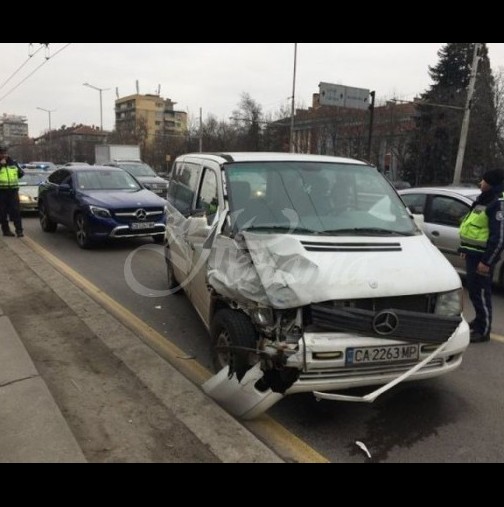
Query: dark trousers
9,208
480,292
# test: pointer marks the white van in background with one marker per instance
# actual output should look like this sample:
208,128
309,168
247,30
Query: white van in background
310,275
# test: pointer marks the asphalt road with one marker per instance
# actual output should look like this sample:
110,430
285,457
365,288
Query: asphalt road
457,418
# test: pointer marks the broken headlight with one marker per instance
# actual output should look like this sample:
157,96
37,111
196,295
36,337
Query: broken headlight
263,317
449,304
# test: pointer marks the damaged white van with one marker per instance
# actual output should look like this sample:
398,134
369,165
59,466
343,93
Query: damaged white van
310,275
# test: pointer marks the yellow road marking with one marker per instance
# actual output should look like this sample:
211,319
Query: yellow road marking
497,338
285,443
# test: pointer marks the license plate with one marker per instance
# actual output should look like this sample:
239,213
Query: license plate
140,226
382,355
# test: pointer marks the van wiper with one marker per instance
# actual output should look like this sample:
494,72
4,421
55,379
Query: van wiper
281,228
368,231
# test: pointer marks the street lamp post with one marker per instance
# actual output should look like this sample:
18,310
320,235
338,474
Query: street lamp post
101,90
49,111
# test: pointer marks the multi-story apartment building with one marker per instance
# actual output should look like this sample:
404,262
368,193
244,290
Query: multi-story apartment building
149,117
13,129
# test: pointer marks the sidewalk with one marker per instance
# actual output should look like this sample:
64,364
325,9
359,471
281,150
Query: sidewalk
121,401
32,428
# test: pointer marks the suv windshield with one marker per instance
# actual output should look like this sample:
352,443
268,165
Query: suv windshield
137,169
316,198
106,180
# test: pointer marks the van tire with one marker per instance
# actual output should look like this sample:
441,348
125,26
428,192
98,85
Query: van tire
233,328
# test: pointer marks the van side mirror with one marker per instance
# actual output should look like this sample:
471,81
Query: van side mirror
419,220
198,227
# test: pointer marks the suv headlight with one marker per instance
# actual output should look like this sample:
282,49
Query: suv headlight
449,304
100,212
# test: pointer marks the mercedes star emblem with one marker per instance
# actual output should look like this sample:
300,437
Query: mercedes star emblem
386,323
141,215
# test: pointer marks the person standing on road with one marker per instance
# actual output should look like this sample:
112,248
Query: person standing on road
10,173
482,243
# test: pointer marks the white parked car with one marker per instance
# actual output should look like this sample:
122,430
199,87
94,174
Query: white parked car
443,209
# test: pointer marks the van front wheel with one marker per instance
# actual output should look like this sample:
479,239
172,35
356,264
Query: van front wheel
234,340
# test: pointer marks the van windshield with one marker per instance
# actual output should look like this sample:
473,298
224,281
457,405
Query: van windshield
315,198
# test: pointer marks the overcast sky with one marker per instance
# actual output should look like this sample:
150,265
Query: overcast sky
208,75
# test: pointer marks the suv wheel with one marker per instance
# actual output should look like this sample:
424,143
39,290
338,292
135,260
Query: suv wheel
45,222
82,232
234,340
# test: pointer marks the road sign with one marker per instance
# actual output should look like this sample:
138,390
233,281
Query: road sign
343,96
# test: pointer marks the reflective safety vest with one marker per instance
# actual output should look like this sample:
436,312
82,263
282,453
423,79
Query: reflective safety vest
9,177
475,229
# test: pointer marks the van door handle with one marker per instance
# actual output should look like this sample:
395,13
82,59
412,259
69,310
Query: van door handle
436,234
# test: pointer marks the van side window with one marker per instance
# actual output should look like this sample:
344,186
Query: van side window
208,198
184,186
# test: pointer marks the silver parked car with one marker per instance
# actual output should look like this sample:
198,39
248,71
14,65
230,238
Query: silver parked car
443,209
28,189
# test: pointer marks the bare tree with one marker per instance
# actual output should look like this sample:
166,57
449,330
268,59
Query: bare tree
248,120
499,110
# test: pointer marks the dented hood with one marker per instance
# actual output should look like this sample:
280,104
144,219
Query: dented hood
285,271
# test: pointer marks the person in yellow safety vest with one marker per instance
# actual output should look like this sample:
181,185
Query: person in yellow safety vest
10,173
481,244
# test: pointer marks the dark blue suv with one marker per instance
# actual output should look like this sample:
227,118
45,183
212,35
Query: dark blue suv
100,203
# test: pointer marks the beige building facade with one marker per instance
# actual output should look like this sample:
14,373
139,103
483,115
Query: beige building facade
149,116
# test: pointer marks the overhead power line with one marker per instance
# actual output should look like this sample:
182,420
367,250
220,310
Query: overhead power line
20,67
33,72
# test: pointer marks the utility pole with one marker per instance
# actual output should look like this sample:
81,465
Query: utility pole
201,130
467,115
371,124
293,110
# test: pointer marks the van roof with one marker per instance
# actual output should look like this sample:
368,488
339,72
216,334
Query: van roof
222,158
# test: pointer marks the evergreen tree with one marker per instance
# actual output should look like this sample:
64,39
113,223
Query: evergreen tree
435,141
